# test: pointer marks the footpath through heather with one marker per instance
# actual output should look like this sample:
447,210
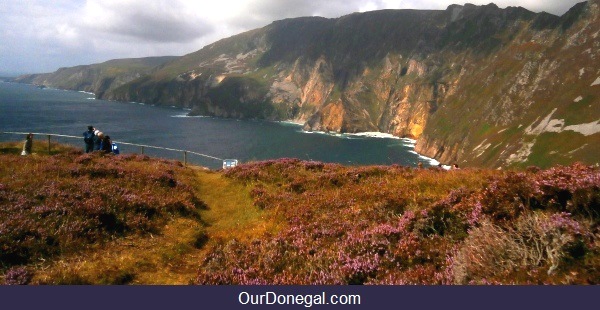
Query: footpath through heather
173,256
165,217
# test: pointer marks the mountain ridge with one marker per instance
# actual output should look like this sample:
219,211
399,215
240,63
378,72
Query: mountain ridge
97,78
470,83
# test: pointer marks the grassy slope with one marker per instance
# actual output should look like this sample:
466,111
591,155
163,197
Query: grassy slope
496,99
289,221
169,254
170,257
98,77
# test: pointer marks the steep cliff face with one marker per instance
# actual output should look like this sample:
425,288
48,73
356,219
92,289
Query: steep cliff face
534,101
308,70
478,85
471,83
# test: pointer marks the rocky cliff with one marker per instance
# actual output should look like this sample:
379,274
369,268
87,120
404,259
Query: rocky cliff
534,100
477,85
97,78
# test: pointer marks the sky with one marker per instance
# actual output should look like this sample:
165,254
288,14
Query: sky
42,35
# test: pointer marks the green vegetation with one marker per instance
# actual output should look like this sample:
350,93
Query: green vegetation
484,129
560,148
242,96
580,112
74,218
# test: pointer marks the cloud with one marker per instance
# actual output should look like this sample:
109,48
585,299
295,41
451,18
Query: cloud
40,35
150,21
556,7
257,13
266,11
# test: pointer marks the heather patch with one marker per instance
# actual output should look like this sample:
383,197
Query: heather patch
69,202
79,218
397,225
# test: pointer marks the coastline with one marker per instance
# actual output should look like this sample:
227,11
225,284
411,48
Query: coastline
367,134
379,135
359,135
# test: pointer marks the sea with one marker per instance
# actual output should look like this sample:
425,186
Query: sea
28,108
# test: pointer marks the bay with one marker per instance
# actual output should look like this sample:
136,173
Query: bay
27,108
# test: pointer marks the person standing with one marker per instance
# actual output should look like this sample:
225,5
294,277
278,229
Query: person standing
88,139
98,136
28,145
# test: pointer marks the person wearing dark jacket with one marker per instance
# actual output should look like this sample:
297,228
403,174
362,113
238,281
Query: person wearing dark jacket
28,144
88,139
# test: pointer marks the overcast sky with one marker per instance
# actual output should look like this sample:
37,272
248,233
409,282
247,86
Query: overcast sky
43,35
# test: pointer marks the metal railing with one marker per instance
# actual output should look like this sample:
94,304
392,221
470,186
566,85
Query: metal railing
141,146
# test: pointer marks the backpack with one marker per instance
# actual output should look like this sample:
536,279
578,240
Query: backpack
88,137
115,148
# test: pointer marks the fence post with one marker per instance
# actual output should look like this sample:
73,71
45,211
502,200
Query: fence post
142,149
49,148
185,158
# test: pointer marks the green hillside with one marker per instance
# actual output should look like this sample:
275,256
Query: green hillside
97,78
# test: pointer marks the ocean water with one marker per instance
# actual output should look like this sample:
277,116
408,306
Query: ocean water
26,108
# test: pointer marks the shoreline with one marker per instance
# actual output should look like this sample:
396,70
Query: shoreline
380,135
367,134
373,134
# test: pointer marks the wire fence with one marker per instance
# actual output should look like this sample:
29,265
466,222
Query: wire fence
127,147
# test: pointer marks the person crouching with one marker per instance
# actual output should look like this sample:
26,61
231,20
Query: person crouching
106,144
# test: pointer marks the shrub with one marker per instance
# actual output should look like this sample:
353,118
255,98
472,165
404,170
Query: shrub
396,225
574,189
200,239
536,240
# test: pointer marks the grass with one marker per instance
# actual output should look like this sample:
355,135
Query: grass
169,257
40,147
232,213
561,148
